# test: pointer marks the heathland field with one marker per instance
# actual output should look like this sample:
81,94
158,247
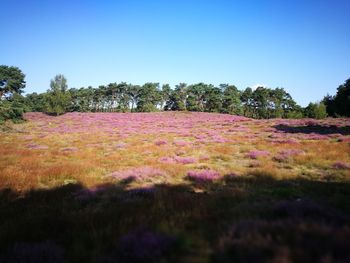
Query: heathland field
174,187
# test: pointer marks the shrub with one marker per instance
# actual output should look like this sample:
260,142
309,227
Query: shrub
9,111
202,175
256,153
316,110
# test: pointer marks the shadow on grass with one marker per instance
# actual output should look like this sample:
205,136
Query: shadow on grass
237,219
318,129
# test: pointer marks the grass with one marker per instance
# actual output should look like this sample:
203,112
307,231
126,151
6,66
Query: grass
58,203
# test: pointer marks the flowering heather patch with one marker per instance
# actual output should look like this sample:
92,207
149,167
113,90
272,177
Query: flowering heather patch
202,175
28,137
317,137
290,152
120,145
344,139
181,143
55,168
160,142
204,157
341,165
200,136
285,155
219,139
168,160
128,123
34,146
138,173
69,149
310,122
255,154
185,160
239,129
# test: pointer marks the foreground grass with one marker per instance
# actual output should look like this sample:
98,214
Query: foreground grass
250,219
95,192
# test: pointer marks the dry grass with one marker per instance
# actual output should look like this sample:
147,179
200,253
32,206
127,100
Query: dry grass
88,151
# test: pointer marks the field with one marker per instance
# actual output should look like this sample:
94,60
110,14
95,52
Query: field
174,187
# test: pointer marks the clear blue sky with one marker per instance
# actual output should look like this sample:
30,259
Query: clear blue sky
303,46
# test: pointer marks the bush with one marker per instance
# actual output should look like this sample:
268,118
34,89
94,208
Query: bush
316,111
9,111
294,115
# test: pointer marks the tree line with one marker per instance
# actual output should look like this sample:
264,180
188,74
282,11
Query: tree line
122,97
260,103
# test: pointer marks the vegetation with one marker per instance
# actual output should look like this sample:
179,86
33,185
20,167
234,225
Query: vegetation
261,103
12,83
316,111
174,187
122,97
57,99
339,105
177,186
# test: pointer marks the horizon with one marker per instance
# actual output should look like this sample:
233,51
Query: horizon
301,47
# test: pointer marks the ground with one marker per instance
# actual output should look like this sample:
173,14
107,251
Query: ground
171,187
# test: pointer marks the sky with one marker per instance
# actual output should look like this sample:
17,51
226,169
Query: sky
300,45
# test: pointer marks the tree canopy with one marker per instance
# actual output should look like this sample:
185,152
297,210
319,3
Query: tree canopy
262,102
122,97
58,98
11,81
339,105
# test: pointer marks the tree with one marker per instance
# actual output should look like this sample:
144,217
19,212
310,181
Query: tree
35,102
339,105
178,98
134,92
282,103
316,110
231,99
296,113
213,99
247,101
331,107
11,81
165,95
196,97
149,97
123,97
261,98
58,98
12,104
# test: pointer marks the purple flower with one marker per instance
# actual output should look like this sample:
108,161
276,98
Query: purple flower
168,160
69,149
285,155
181,143
256,153
37,146
138,173
341,165
202,175
120,145
160,142
185,160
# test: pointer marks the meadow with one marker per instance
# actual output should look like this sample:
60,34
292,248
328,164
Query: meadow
174,187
